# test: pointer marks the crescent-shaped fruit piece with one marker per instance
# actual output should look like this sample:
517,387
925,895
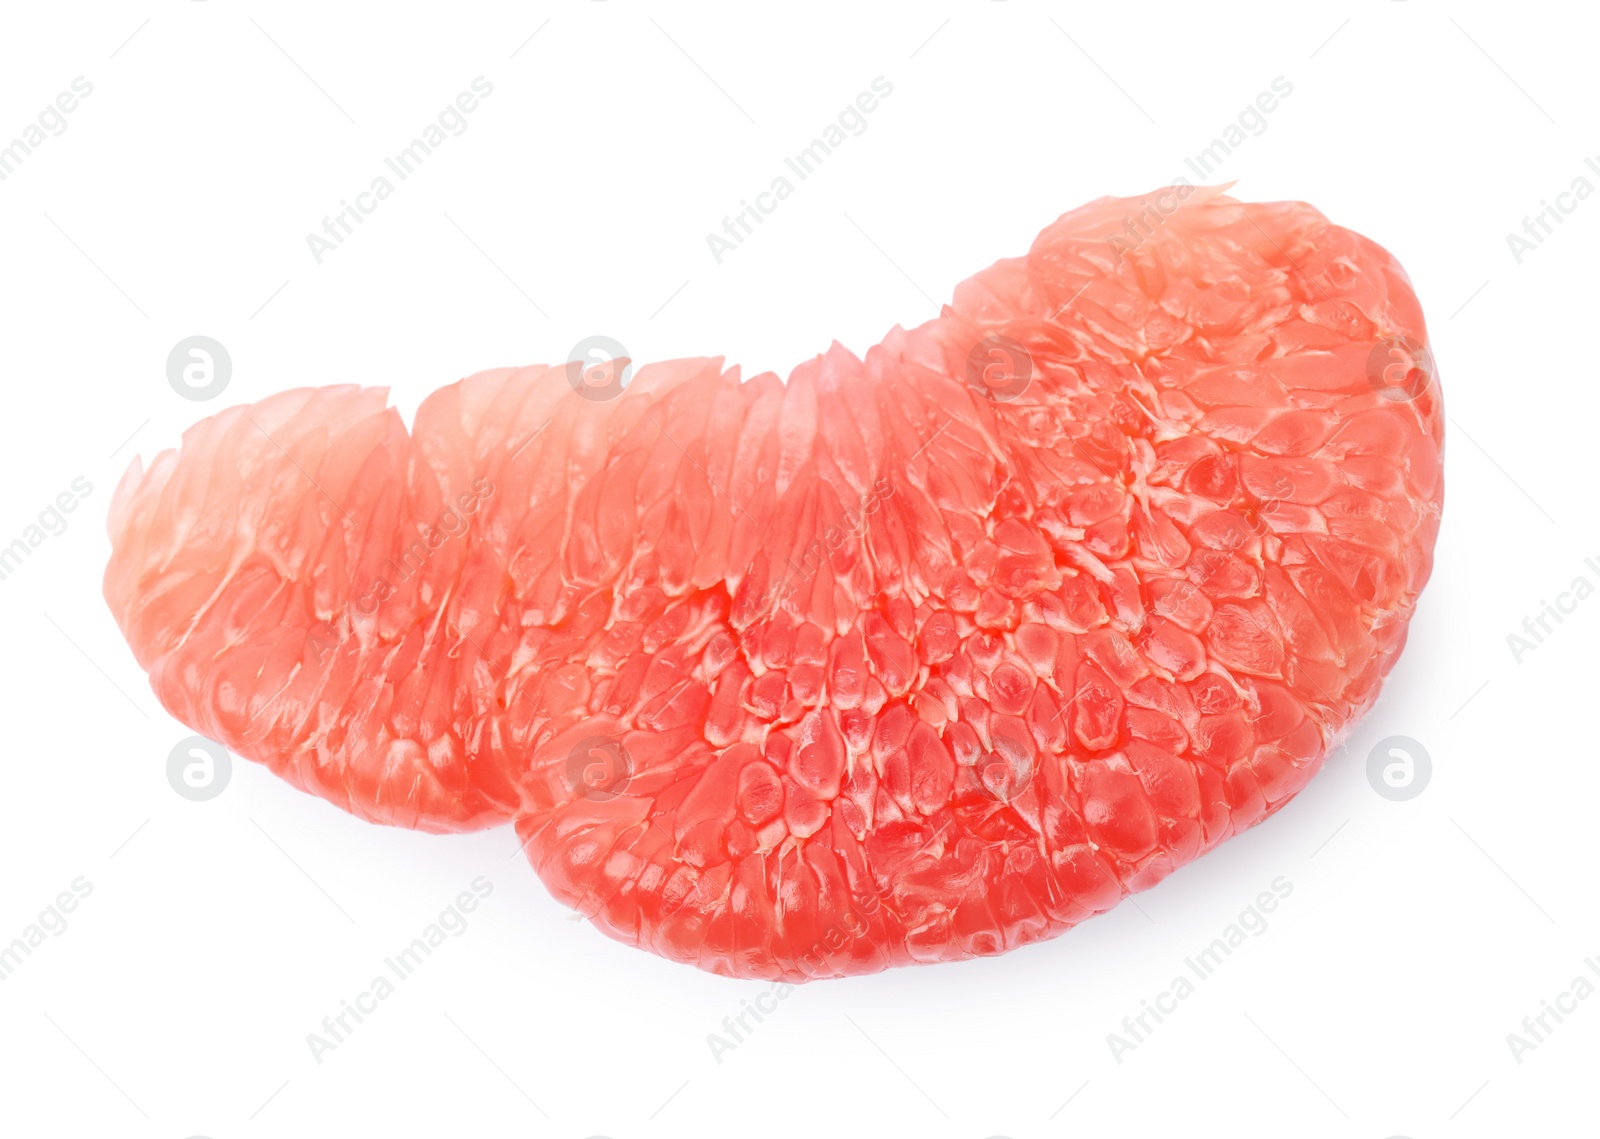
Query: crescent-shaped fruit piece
909,658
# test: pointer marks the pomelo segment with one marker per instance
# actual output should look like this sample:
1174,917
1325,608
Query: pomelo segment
912,658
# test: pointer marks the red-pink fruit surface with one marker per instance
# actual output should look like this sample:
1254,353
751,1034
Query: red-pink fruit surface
909,658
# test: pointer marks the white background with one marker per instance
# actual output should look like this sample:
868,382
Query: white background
218,934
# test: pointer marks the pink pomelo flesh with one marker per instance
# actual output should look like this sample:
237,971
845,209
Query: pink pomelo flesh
907,659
